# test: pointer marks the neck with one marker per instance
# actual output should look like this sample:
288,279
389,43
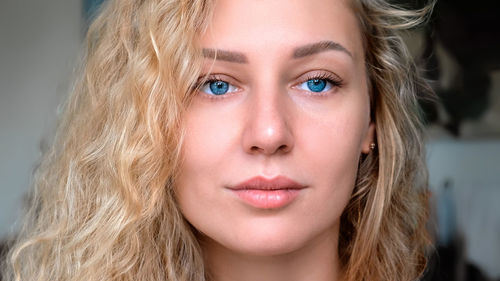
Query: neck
317,261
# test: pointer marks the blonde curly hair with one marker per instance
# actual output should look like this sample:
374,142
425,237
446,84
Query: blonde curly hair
103,207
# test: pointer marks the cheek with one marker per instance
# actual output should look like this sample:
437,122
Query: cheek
205,146
334,140
334,169
331,148
205,155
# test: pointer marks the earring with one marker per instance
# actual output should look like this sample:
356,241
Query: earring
372,146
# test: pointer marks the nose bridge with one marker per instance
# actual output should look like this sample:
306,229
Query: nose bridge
268,128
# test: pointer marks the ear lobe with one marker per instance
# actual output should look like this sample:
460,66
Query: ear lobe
369,139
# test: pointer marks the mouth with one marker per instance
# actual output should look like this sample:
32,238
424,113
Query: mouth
262,193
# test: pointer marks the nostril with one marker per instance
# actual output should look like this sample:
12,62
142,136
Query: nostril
255,148
283,147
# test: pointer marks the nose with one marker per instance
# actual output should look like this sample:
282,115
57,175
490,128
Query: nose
268,128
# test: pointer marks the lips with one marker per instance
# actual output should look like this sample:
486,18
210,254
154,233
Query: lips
263,193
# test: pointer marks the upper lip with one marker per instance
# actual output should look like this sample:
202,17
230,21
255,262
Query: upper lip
262,183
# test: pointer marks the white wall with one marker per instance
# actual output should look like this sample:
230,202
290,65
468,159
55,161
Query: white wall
474,171
39,42
464,161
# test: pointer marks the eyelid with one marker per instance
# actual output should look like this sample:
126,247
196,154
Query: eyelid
217,76
319,74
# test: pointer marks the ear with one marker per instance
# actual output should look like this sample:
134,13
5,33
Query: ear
369,139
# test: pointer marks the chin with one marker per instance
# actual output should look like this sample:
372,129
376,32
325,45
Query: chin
268,248
271,240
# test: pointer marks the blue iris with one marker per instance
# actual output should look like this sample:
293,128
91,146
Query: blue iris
316,85
219,87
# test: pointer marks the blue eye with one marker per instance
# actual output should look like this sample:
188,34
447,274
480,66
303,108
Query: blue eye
316,85
217,88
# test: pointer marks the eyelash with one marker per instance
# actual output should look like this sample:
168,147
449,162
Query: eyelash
335,81
330,78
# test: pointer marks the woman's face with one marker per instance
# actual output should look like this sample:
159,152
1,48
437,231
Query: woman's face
273,140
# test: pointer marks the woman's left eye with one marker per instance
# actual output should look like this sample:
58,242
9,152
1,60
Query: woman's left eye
316,85
217,88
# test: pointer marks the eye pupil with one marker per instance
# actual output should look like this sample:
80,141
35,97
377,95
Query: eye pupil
219,87
316,85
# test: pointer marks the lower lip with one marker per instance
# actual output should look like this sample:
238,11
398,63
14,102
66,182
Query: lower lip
267,199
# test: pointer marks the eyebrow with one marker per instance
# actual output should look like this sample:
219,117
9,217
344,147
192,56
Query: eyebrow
318,47
223,55
299,52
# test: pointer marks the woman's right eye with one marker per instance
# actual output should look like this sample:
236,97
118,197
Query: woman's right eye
217,88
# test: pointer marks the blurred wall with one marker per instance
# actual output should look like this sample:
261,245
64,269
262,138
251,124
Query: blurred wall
39,43
470,170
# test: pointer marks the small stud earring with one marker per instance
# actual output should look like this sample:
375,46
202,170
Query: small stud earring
372,146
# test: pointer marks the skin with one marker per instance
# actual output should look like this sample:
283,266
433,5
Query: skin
270,124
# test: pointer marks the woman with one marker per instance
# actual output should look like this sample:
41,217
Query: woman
235,140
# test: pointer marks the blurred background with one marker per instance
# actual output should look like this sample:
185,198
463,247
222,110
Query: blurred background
459,51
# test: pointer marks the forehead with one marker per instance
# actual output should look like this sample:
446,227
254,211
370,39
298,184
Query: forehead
258,25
